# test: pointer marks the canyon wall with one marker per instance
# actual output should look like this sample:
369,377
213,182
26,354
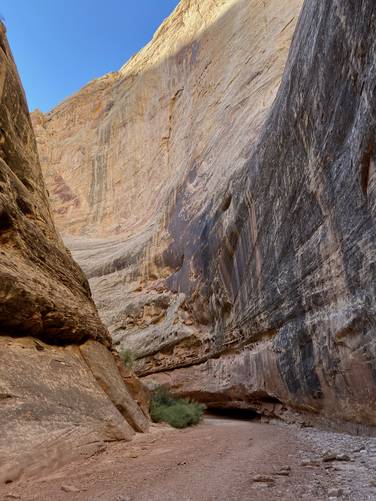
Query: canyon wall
227,229
60,388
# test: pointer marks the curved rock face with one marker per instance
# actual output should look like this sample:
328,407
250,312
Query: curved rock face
230,240
54,349
42,291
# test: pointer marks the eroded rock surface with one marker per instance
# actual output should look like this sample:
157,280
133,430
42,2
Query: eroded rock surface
54,350
230,240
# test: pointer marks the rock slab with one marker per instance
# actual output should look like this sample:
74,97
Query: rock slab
52,403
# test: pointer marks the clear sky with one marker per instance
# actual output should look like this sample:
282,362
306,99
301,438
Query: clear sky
60,45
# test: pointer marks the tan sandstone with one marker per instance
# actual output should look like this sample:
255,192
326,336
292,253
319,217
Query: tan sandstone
54,350
219,193
120,154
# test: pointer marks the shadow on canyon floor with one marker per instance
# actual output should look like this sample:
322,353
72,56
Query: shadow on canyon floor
233,413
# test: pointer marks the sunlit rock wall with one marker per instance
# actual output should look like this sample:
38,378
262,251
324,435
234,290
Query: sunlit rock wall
228,237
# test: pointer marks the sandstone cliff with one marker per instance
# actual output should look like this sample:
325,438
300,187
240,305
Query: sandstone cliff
229,240
60,388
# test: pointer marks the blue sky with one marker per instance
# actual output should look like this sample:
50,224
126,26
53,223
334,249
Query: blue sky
60,45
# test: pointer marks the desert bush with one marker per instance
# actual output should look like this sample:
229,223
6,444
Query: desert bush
127,357
177,412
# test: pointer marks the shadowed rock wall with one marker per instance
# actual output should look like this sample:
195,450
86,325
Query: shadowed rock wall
246,275
290,264
54,350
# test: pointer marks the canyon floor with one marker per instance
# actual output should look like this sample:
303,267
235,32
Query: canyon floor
221,459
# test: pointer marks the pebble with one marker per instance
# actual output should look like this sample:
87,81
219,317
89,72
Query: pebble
343,457
70,488
284,471
333,456
264,479
310,462
335,493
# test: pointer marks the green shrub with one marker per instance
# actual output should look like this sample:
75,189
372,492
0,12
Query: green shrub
177,412
127,357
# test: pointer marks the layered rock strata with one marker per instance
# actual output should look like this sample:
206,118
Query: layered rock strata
229,237
60,388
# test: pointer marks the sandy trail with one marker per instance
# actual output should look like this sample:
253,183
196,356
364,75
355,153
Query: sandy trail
219,460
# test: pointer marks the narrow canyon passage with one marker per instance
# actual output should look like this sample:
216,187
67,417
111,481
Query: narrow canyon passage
200,222
221,459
